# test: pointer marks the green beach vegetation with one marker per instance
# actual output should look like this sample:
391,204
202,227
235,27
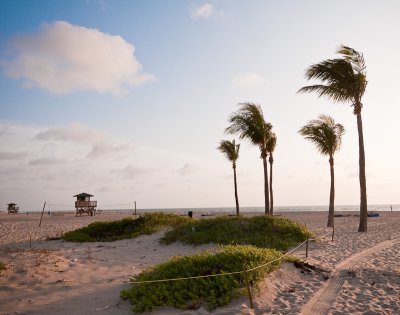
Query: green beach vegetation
2,266
243,243
125,228
327,137
209,292
261,231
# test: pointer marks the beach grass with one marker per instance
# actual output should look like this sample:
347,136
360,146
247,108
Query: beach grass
209,292
262,231
2,266
124,229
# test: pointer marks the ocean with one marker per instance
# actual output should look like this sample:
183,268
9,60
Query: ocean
276,209
230,210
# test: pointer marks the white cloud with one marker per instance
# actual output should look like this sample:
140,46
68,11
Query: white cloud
58,164
248,80
18,155
62,58
132,172
46,161
206,11
76,132
106,148
186,169
101,145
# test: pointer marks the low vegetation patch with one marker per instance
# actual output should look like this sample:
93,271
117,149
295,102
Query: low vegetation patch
207,291
125,228
2,266
262,231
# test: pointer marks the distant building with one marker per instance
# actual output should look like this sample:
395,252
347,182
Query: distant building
83,204
12,208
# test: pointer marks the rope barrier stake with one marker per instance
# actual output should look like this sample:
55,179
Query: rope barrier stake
333,232
307,248
248,288
41,217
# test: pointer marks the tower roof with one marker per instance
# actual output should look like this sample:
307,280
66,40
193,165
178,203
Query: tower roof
83,195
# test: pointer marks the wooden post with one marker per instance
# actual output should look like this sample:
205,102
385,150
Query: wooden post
40,223
333,232
307,248
248,288
135,208
30,241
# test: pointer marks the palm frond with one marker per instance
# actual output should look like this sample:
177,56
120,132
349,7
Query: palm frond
324,133
354,57
249,124
332,92
230,149
271,142
344,79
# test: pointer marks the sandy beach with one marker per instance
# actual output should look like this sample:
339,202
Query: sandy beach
357,273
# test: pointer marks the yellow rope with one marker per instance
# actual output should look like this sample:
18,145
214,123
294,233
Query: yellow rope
229,273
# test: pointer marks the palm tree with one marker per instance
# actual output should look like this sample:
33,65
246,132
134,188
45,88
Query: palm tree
231,151
327,136
249,123
345,81
271,144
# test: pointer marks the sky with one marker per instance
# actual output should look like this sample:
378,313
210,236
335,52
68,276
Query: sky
128,100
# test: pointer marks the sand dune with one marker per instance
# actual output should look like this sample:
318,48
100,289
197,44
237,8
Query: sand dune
357,273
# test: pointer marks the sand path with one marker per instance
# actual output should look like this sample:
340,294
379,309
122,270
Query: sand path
325,297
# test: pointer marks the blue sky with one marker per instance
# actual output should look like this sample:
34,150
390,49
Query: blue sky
128,100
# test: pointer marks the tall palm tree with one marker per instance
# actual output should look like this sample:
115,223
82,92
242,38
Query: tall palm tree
231,151
345,81
270,145
249,123
327,136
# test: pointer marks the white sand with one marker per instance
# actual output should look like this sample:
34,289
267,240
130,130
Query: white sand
56,277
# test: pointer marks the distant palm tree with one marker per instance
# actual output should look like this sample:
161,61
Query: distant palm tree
346,81
327,136
270,145
249,123
231,151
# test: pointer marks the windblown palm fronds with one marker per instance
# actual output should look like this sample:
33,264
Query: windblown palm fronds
327,137
231,151
345,80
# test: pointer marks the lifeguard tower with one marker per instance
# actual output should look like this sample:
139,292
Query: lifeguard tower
12,208
83,204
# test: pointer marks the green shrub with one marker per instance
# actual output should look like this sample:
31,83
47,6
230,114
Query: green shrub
209,291
125,228
261,231
2,266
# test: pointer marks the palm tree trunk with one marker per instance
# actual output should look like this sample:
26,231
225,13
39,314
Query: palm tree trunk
271,161
331,213
236,194
363,182
266,190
